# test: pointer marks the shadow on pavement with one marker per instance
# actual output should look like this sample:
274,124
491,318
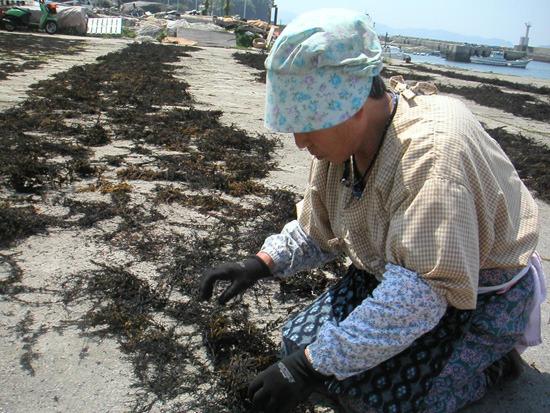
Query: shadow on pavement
529,394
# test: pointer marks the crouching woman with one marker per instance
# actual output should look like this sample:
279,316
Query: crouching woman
440,230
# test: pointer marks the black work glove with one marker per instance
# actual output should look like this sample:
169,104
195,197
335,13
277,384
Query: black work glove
241,274
284,384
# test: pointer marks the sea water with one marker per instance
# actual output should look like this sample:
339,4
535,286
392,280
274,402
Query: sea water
534,69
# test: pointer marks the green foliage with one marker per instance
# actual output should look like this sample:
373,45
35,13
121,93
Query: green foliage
161,35
128,32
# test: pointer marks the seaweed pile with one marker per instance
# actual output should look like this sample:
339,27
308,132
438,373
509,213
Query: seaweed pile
532,160
486,94
254,60
20,53
21,221
523,87
387,73
519,104
195,164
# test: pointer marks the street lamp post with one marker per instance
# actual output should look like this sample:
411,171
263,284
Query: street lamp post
275,11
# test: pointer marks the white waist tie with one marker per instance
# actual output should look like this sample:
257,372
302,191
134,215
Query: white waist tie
532,335
507,285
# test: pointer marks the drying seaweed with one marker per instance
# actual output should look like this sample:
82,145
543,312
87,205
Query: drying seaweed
17,222
82,168
518,104
95,136
7,69
125,307
92,212
523,87
107,187
125,90
239,351
22,52
254,60
280,210
29,173
190,170
203,203
136,172
240,189
156,320
305,285
114,160
532,160
29,338
8,284
311,284
134,231
26,161
387,73
126,78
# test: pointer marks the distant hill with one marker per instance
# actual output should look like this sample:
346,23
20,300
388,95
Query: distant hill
441,35
381,29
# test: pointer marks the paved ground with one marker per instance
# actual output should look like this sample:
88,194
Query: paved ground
15,88
241,99
64,381
205,38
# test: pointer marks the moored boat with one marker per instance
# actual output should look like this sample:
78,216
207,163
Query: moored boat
497,59
394,52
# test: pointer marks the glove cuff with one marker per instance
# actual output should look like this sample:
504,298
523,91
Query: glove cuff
299,363
257,267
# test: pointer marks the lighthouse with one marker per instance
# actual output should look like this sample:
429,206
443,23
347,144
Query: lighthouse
524,41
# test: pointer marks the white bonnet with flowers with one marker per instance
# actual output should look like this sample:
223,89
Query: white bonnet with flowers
320,70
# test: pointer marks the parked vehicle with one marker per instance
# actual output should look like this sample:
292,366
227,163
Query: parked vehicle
496,58
394,52
19,18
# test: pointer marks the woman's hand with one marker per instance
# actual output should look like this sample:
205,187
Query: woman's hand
284,384
242,276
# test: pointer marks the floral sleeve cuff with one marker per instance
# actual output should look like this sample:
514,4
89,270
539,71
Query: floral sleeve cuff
293,250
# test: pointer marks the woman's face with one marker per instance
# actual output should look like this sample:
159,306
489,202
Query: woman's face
335,144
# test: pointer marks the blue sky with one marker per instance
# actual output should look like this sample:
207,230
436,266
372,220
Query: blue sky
502,19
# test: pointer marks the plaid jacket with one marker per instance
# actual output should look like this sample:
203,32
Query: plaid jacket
442,199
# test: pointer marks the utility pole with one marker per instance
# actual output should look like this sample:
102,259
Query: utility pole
244,12
275,10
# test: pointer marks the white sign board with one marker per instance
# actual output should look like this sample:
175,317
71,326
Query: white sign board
107,25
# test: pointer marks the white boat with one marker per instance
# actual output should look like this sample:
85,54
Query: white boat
497,59
394,52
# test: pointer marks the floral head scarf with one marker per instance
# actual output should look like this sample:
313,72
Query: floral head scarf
320,70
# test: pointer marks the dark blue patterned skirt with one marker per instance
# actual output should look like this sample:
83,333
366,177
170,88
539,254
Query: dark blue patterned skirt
441,371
